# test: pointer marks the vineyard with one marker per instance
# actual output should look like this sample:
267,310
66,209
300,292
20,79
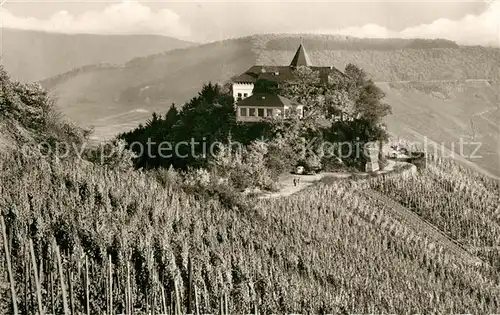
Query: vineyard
462,204
107,241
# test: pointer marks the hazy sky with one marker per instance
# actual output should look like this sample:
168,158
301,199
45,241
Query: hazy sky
472,22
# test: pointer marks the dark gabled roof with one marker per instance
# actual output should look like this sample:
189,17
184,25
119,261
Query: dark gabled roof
266,100
280,74
301,58
273,73
246,78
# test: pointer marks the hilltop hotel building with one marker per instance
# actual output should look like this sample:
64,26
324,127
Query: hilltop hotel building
253,107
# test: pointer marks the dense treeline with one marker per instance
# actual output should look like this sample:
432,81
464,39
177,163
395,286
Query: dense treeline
335,42
402,65
344,110
207,118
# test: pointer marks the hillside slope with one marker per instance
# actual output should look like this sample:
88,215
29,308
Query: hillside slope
440,116
116,98
32,55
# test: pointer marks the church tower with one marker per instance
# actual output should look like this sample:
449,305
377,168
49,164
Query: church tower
301,58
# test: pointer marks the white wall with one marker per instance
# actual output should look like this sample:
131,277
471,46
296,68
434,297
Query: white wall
243,88
276,112
256,117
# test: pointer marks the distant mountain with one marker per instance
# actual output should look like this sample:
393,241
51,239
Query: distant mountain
33,55
459,97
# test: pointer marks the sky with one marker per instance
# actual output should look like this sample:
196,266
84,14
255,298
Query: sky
470,23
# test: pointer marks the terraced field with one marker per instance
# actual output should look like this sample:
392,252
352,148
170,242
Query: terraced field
410,219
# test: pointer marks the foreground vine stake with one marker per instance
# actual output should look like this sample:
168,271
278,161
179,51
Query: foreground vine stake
70,287
190,285
9,267
37,281
110,287
87,301
61,278
197,307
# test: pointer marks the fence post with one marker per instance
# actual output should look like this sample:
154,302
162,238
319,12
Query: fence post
196,304
129,290
61,278
177,299
51,288
25,283
9,267
226,305
164,301
32,303
37,282
87,299
110,287
106,288
127,298
190,285
153,307
70,286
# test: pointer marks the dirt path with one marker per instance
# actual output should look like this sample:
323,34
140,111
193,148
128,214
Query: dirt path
288,188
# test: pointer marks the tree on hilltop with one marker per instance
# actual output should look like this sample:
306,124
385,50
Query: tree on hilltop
368,97
29,106
205,119
345,108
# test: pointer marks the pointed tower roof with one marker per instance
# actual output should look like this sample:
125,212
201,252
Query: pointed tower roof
301,58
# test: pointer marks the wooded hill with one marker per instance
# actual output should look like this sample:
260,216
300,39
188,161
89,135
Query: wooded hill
117,98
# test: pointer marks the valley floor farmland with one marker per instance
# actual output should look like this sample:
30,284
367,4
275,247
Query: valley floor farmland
318,250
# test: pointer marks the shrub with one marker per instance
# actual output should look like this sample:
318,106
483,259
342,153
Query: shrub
113,154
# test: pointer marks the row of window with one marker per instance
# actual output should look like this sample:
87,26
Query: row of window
240,97
260,112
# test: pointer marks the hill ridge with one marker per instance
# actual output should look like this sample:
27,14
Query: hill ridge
36,55
444,87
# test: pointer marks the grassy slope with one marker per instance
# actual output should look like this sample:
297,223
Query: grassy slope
115,98
99,96
446,113
31,55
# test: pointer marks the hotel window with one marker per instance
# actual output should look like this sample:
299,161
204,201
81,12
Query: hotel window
239,96
269,112
243,111
299,111
261,112
287,113
252,112
245,94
